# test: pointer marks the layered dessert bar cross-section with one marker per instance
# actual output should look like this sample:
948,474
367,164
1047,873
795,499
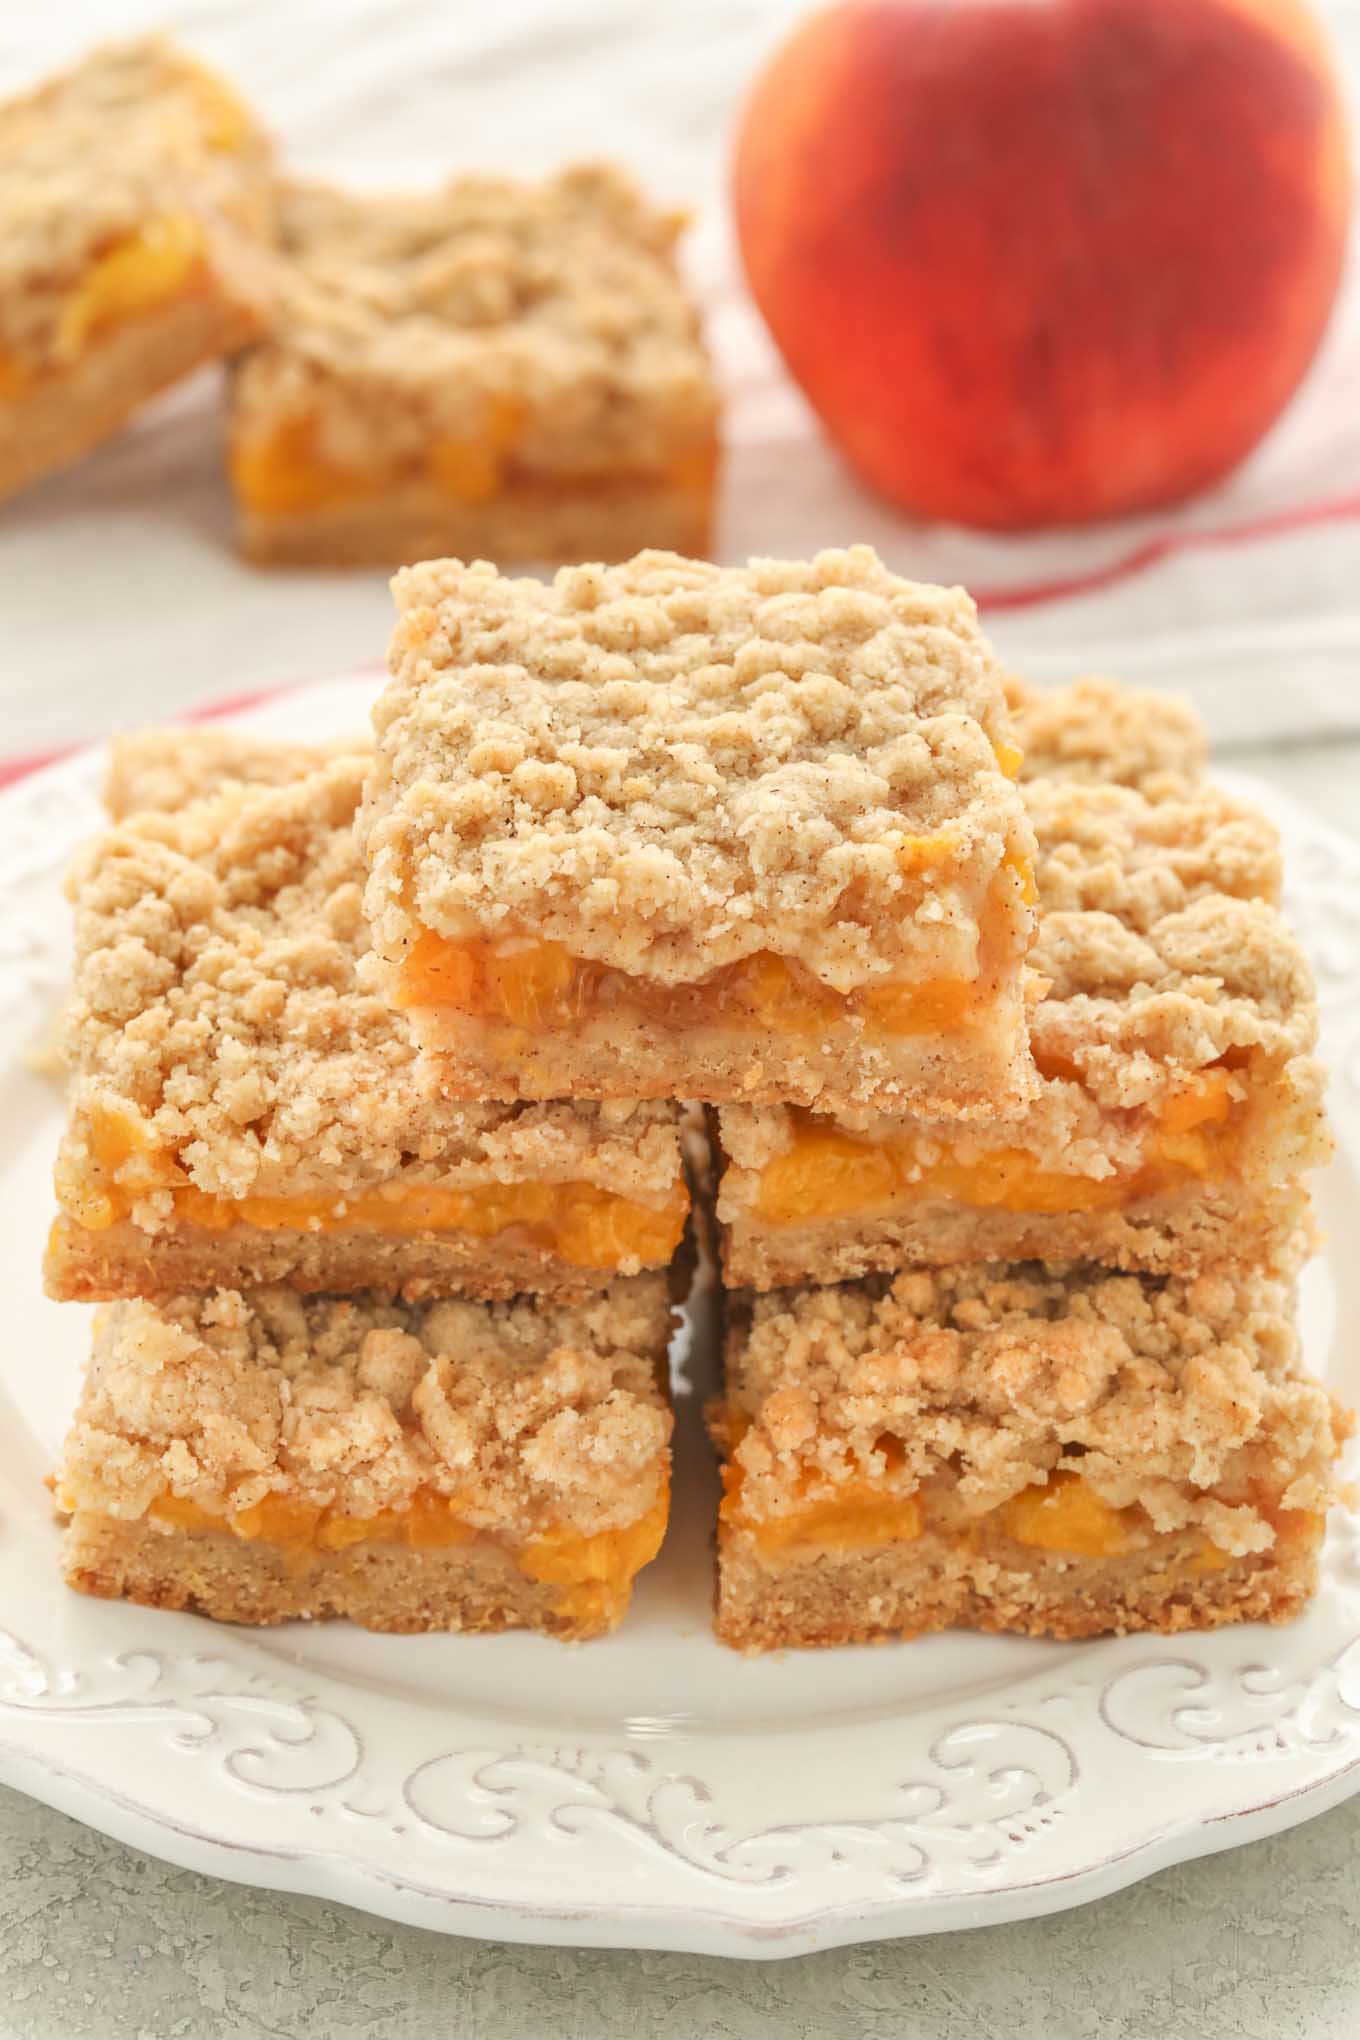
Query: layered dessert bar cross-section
245,1109
1179,1109
1006,1448
459,1466
672,829
135,198
495,369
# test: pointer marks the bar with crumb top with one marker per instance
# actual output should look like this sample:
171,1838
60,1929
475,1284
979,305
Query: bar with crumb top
1180,1104
1013,1448
244,1108
497,368
673,829
452,1466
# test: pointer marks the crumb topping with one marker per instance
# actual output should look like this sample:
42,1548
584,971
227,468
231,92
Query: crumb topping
1097,730
1186,1396
1111,850
169,767
547,317
1127,1006
135,133
531,1418
222,1013
1161,956
668,766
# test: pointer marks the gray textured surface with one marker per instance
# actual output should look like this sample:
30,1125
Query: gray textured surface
98,1942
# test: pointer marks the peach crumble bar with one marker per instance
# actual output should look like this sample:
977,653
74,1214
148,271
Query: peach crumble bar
134,194
493,368
460,1466
1179,1106
245,1109
674,829
1008,1448
1101,731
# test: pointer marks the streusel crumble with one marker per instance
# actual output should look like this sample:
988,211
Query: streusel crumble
171,766
1098,730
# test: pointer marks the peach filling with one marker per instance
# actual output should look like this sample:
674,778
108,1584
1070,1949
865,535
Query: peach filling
580,1223
592,1573
138,273
541,986
830,1174
1063,1514
285,470
1066,1514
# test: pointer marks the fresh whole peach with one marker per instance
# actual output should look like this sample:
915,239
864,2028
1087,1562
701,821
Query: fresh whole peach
1037,261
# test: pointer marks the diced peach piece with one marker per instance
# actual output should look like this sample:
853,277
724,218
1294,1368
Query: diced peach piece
534,984
826,1175
138,272
1066,1514
851,1524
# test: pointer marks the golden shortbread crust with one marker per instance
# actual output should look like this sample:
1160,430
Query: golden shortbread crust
933,1582
470,1588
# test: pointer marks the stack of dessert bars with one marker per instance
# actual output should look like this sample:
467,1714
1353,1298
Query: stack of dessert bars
376,1143
374,1353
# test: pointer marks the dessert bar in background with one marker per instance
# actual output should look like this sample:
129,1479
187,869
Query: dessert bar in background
1009,1448
457,1466
494,369
245,1109
672,829
135,198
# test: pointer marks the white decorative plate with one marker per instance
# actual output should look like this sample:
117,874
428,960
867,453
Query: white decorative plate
651,1790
